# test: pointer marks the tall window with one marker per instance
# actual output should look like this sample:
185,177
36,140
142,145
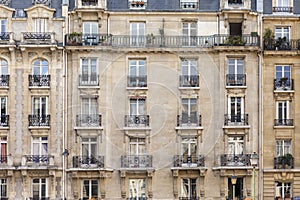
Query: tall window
236,109
189,32
283,147
188,188
235,145
89,74
3,151
39,188
137,33
283,113
283,3
137,189
3,25
138,106
40,149
89,106
137,146
3,110
90,33
189,71
40,72
189,110
283,190
282,32
40,67
236,74
189,150
283,76
89,150
4,67
41,25
3,188
89,189
137,73
40,106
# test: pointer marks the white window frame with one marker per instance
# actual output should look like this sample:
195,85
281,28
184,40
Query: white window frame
236,66
189,150
137,106
188,104
188,191
3,150
233,104
88,67
3,188
281,188
42,182
40,67
283,109
92,105
137,72
190,32
41,101
283,147
283,31
89,142
3,25
90,188
40,25
3,109
284,71
137,188
236,145
137,146
4,67
282,3
40,143
137,33
189,67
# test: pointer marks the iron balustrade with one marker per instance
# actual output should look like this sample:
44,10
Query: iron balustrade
284,162
283,84
236,40
281,44
283,122
39,198
89,2
45,2
188,120
89,80
189,5
137,120
4,80
39,120
4,120
87,198
40,159
37,37
3,160
88,161
283,9
235,160
136,198
236,2
92,120
136,81
189,198
136,161
192,160
236,120
79,39
189,80
236,79
5,2
139,4
39,80
5,36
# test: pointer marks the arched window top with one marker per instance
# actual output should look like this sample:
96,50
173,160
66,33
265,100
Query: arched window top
4,67
40,67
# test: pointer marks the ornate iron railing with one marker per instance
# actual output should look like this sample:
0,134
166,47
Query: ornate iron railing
191,161
41,159
236,79
4,120
89,2
45,2
39,198
88,161
39,80
189,5
281,44
137,81
137,120
138,161
283,122
89,80
189,198
283,9
236,120
189,80
4,80
79,39
5,2
92,120
136,198
188,120
236,2
284,162
235,160
283,84
5,36
37,120
38,37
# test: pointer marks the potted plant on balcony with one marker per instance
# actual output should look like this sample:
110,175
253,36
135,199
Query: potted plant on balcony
150,39
75,38
283,81
235,40
268,39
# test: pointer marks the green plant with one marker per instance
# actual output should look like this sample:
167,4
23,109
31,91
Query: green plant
268,38
150,38
254,34
235,40
75,37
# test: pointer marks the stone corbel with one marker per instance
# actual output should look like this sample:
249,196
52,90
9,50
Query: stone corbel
79,19
102,184
175,182
225,20
245,20
123,189
99,19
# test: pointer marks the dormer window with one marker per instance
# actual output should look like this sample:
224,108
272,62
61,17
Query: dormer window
283,6
189,4
137,4
235,2
45,2
89,2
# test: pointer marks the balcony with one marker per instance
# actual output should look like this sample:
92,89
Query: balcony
283,84
138,161
283,122
281,44
235,160
236,40
4,80
189,4
44,2
188,120
5,2
189,161
38,38
236,120
236,80
88,161
286,9
235,2
39,121
189,198
284,162
137,81
4,121
89,2
91,120
39,80
79,39
189,80
137,120
89,80
37,160
39,198
140,4
6,38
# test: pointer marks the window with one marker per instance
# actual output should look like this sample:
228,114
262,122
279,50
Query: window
39,115
282,32
236,74
3,188
89,189
89,74
283,6
235,29
137,34
3,150
137,73
283,147
89,112
3,112
189,150
90,33
3,26
283,113
138,106
137,189
283,77
137,146
89,151
40,75
40,25
189,110
236,111
189,4
283,190
40,67
4,77
238,188
89,2
189,32
39,188
188,188
235,145
189,71
40,150
137,4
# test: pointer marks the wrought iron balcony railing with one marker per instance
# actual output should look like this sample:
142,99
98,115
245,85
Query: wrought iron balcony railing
39,80
236,2
283,122
38,38
87,198
4,80
188,120
45,2
89,80
88,161
281,44
39,120
138,161
189,5
137,120
137,81
283,9
5,36
39,198
236,40
137,198
189,161
4,120
79,39
89,2
235,160
5,2
284,162
189,80
38,159
236,120
3,160
91,120
189,198
236,79
283,84
137,4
